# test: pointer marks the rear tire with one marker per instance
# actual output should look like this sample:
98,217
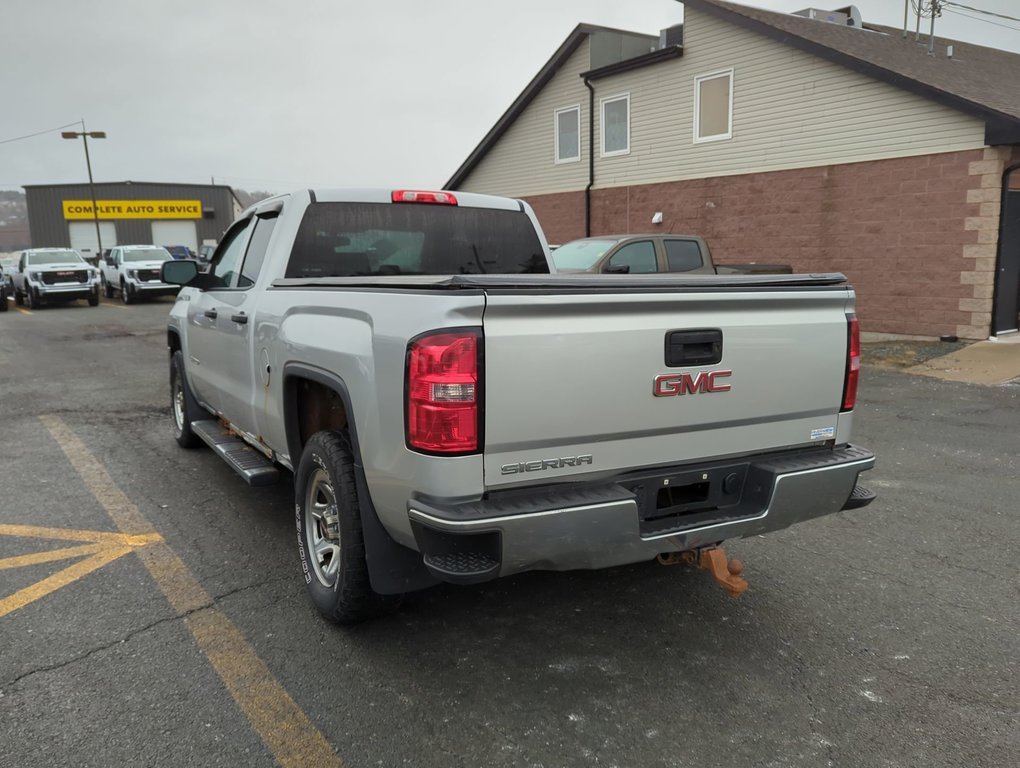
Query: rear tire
107,288
184,409
3,298
330,540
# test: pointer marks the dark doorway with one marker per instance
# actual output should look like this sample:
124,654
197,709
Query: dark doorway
1007,275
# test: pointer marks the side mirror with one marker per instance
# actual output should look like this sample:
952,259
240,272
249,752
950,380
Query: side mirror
616,269
181,272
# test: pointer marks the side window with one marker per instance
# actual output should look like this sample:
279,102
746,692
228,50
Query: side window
713,106
682,255
568,135
227,257
256,254
616,125
640,257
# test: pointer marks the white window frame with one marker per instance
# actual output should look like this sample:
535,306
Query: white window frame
602,125
698,80
556,135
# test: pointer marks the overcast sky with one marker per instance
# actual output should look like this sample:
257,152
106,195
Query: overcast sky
281,95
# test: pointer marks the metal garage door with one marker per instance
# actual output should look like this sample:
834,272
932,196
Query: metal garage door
83,236
175,233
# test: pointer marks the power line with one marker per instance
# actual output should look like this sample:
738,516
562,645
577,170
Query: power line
40,133
925,8
979,10
986,21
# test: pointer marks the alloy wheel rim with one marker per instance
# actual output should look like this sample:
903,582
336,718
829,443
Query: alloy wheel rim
178,405
322,528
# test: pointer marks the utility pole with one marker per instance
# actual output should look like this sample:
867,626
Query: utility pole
906,17
92,187
936,10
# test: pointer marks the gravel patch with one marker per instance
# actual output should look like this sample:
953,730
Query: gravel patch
905,353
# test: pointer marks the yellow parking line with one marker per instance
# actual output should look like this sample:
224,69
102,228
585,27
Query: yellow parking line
284,728
104,547
23,311
20,561
70,534
61,578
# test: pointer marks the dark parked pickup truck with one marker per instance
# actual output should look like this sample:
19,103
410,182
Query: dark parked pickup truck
647,254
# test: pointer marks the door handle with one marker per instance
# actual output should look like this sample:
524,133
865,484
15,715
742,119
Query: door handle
212,314
241,318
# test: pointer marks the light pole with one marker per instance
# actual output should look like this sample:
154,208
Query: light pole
88,164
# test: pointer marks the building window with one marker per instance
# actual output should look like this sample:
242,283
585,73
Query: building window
616,125
568,134
713,106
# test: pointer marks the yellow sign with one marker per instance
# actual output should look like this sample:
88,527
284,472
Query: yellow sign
134,209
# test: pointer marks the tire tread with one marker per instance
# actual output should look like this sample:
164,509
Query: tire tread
192,410
355,600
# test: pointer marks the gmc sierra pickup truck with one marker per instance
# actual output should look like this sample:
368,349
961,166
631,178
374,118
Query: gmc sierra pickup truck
46,275
133,272
452,412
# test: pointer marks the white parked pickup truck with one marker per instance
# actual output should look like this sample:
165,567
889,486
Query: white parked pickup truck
452,412
54,275
133,272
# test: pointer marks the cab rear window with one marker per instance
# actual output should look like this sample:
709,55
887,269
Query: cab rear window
372,239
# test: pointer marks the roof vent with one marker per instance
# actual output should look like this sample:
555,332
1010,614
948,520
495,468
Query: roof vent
849,16
671,36
856,20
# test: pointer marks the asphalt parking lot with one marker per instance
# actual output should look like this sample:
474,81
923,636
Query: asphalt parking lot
889,636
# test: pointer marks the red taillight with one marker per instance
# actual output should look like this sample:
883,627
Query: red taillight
418,196
853,362
444,392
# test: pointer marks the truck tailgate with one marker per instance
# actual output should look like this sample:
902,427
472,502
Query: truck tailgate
570,377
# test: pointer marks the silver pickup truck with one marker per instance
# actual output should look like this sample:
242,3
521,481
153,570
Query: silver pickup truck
452,412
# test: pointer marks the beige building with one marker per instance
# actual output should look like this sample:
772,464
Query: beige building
822,142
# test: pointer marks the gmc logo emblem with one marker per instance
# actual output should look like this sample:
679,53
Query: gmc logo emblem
671,384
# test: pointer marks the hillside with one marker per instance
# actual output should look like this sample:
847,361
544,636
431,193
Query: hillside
13,221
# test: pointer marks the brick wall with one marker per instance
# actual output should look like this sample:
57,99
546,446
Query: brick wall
561,215
916,236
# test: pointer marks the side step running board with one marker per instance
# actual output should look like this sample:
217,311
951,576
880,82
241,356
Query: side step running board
255,468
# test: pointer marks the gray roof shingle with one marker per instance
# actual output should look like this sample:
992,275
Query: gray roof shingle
981,81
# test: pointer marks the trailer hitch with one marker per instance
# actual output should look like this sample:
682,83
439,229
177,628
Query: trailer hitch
725,572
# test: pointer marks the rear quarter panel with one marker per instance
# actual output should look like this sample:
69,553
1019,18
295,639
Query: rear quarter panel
361,337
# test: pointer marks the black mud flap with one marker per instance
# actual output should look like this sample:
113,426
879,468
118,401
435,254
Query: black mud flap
392,568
